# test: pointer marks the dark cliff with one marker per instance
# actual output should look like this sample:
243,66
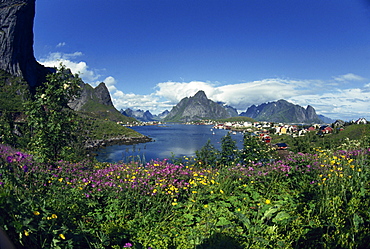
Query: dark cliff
282,111
196,108
16,39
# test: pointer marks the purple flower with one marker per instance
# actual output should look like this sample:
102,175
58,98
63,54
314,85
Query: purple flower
128,244
10,159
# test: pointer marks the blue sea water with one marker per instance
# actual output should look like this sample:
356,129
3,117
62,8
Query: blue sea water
168,140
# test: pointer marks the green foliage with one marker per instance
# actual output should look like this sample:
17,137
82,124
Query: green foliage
310,140
13,92
229,150
254,150
313,200
208,155
52,123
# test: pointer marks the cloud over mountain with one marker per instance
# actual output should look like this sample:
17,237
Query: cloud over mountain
331,98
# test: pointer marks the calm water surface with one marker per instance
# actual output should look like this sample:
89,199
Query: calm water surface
168,140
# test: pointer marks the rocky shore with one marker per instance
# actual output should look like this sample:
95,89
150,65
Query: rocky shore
95,144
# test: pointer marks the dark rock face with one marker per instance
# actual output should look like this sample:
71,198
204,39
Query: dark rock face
102,94
282,111
196,108
88,94
16,39
231,110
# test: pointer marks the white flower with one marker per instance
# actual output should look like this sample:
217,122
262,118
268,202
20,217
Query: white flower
43,96
65,86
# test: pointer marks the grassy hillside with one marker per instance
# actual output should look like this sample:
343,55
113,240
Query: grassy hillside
101,129
311,140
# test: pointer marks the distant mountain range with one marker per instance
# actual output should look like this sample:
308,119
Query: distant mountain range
283,112
144,116
200,107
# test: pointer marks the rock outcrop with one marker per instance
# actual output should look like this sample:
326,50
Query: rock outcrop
91,96
282,111
16,40
196,108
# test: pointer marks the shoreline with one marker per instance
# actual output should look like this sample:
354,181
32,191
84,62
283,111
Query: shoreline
99,143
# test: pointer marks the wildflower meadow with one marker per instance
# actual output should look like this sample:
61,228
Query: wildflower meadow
304,200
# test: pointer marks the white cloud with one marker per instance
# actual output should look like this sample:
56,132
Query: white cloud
133,101
110,83
239,96
332,102
344,104
61,44
175,91
335,103
348,77
81,68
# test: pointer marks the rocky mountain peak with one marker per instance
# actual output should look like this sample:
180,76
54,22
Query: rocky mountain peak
201,95
89,95
196,108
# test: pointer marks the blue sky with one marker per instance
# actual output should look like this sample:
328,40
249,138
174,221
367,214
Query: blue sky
153,53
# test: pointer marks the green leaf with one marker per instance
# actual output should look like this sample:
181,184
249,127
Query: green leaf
222,221
281,216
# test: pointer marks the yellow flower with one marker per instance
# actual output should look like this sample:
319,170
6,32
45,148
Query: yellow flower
36,212
221,191
62,236
267,201
54,216
60,179
205,206
26,233
194,192
174,203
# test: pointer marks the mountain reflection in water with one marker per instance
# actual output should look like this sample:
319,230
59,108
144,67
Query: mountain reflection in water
171,140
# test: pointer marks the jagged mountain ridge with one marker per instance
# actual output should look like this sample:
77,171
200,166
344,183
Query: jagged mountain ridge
196,108
282,111
144,116
99,94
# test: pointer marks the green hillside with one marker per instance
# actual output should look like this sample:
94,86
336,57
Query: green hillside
312,140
